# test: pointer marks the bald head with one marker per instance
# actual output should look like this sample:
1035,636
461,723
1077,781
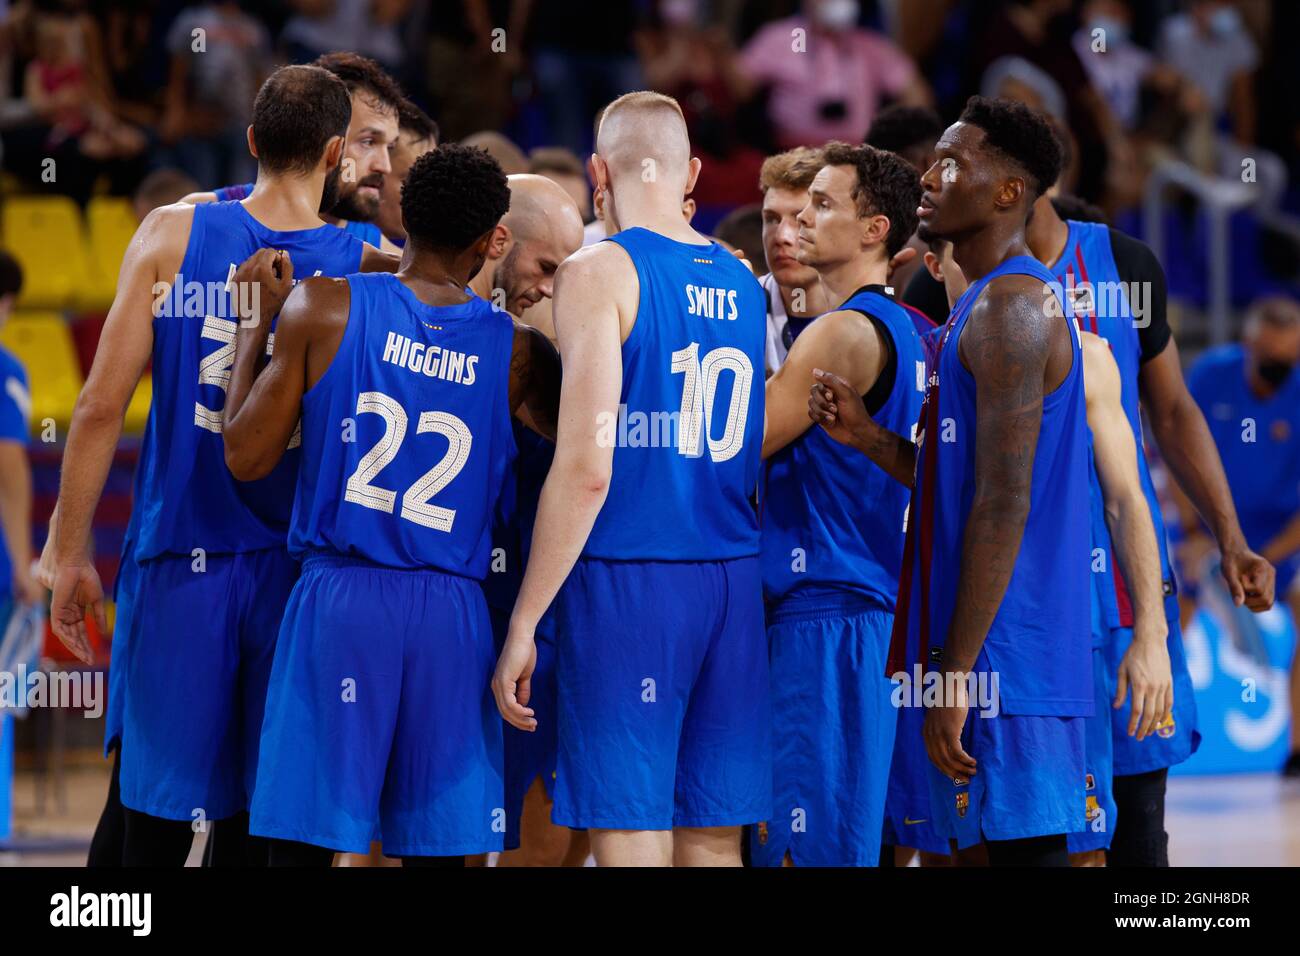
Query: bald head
510,156
542,211
645,126
542,228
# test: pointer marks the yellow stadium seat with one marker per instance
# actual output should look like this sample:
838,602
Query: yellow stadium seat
43,344
45,235
137,413
110,224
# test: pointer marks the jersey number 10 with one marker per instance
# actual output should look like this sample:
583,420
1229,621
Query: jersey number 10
698,393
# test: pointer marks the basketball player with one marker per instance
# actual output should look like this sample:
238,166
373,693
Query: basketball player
1120,512
1115,288
793,289
373,130
995,574
833,522
664,749
186,689
542,228
379,716
417,133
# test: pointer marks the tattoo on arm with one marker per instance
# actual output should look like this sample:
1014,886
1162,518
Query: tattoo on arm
1006,345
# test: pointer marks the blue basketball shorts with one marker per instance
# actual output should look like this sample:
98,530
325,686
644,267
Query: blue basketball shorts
663,696
380,721
833,726
192,653
1098,786
1178,738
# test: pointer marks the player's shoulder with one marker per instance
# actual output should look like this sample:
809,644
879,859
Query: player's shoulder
592,259
1132,255
1098,361
11,366
163,220
321,293
196,199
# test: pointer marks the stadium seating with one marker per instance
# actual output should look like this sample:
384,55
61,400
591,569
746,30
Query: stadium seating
46,236
43,343
110,223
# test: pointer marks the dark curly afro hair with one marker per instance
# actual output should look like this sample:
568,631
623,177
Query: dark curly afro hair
452,196
1020,134
888,186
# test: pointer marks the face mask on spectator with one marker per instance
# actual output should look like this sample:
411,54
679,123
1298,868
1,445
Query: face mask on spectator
837,14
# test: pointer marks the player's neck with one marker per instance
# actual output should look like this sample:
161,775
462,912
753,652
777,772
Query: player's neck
1047,234
435,279
841,281
481,284
286,203
657,213
979,253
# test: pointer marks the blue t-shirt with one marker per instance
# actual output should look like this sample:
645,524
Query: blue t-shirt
15,416
1258,440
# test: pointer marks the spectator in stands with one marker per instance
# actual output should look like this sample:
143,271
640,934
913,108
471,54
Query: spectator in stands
1210,46
162,187
563,167
695,62
16,582
1250,395
58,86
827,75
1040,32
582,58
219,57
368,27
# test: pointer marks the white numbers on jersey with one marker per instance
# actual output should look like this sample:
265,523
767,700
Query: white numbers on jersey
698,392
214,368
417,505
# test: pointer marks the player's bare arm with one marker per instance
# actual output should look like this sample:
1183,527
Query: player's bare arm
1007,345
594,290
262,408
125,345
1145,668
836,407
194,199
535,381
1188,449
846,343
16,518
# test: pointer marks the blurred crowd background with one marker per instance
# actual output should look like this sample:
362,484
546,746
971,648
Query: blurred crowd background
1182,119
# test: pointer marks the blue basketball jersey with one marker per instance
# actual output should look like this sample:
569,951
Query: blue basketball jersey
1099,301
233,193
689,431
407,436
830,518
365,231
185,497
1038,644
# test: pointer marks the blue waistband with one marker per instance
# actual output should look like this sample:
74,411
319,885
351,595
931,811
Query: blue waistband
313,560
822,606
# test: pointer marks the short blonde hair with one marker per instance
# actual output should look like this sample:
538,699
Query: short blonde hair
794,169
640,100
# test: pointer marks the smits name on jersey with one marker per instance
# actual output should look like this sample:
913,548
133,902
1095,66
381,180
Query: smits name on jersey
711,303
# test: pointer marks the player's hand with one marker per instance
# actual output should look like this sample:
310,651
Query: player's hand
47,566
269,274
512,682
77,589
834,406
1250,579
1146,670
25,586
942,734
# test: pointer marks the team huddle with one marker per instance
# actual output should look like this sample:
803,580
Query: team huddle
404,568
